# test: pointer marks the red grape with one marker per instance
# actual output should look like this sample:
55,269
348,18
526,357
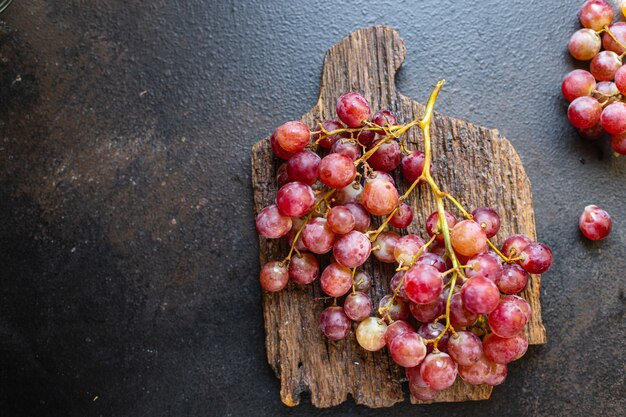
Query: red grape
408,349
297,224
477,372
468,238
362,281
317,236
465,348
295,199
398,309
384,118
334,323
423,284
412,166
595,223
357,306
618,29
292,136
336,170
303,269
352,249
486,265
340,220
433,227
387,157
381,175
513,279
394,283
438,370
347,148
370,334
584,112
365,137
395,329
489,219
509,317
497,374
336,280
578,83
418,387
620,82
407,247
362,218
618,143
348,194
613,118
273,276
403,217
480,295
353,109
430,331
426,313
278,151
595,14
304,166
386,242
282,177
584,44
604,65
514,245
433,260
270,223
379,197
459,315
592,133
505,350
536,258
329,126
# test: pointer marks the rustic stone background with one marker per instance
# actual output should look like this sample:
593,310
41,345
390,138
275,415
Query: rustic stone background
128,256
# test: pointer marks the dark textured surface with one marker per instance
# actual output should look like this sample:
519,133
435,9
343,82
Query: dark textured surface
128,256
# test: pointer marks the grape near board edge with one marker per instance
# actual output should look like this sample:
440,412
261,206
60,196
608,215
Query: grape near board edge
457,284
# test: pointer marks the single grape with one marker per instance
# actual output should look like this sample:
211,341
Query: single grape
577,83
362,281
509,317
352,249
395,282
370,334
430,331
317,236
365,137
381,175
412,166
384,118
536,258
277,150
362,218
514,245
584,112
584,44
336,280
270,223
295,199
434,228
607,91
505,350
329,126
618,143
497,374
438,370
282,176
423,284
304,268
395,329
357,306
348,194
604,65
480,295
273,276
433,260
513,279
403,217
489,220
407,247
486,265
292,136
420,389
387,157
353,109
596,14
426,313
477,372
468,238
595,223
465,347
336,170
398,309
347,148
385,243
618,29
593,133
304,166
408,349
613,118
460,316
334,323
379,197
340,220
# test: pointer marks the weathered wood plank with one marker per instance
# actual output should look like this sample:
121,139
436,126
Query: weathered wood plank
471,162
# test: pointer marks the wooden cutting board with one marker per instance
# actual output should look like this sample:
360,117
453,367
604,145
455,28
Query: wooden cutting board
473,163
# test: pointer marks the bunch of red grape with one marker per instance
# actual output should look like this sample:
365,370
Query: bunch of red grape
452,307
597,96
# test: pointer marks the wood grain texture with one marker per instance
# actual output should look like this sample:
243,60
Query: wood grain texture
473,163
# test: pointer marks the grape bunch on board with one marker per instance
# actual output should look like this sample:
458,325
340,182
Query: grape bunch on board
453,307
597,96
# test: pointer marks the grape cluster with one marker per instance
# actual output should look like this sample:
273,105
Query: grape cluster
598,96
452,307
